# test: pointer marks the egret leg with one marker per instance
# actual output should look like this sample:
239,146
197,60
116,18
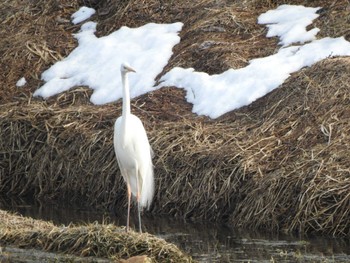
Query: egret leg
138,198
138,211
129,201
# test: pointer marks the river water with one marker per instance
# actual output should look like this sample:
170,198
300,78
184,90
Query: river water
205,242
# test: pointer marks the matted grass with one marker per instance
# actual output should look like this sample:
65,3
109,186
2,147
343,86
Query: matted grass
90,240
281,163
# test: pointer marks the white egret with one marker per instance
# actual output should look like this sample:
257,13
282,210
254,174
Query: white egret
134,153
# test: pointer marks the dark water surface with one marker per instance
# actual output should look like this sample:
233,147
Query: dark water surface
204,242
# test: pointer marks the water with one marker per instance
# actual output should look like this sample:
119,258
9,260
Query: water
204,242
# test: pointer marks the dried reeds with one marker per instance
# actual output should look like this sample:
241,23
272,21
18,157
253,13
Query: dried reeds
279,164
301,176
91,240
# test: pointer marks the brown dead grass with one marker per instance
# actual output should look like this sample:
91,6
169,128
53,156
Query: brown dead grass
91,240
280,163
301,176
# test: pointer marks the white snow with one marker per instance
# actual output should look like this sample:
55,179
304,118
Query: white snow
289,22
82,14
96,62
21,82
215,95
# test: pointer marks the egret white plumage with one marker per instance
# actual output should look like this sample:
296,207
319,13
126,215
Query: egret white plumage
134,153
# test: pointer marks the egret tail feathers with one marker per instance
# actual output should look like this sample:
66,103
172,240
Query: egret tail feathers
147,187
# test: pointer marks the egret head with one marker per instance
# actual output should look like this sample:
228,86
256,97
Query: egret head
125,68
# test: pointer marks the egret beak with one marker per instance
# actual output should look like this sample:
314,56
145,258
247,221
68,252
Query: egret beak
129,69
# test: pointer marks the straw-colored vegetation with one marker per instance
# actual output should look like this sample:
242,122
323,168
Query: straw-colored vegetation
281,163
91,240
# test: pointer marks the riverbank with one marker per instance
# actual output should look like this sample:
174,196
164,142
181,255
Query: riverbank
279,164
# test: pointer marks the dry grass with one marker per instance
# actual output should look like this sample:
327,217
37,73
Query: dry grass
301,175
92,240
279,164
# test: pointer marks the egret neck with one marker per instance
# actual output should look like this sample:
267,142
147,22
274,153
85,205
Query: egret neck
126,103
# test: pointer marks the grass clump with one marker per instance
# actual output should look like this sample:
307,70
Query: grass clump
91,240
